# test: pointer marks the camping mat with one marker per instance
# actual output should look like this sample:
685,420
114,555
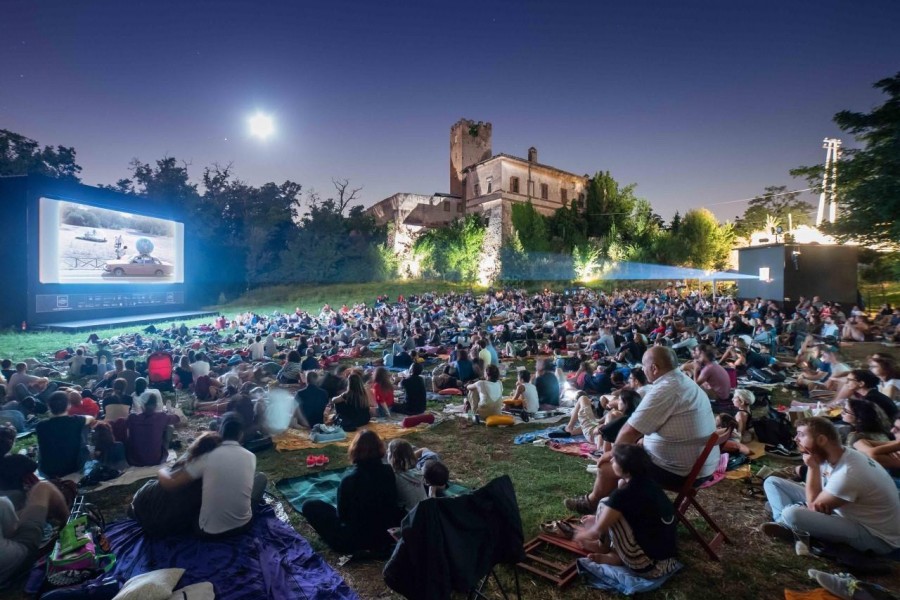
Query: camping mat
293,439
323,486
270,561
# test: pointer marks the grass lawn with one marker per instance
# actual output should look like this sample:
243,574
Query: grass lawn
753,566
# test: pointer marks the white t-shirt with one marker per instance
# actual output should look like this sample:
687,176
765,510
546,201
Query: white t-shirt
227,474
530,397
138,401
199,368
489,392
890,388
257,351
871,495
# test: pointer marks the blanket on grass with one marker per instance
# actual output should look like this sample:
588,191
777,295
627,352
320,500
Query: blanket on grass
293,439
580,449
531,436
618,578
323,485
270,561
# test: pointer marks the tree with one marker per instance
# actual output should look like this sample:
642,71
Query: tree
776,201
452,251
531,227
20,155
868,178
701,242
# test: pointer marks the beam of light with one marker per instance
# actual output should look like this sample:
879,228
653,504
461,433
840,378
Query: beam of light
261,125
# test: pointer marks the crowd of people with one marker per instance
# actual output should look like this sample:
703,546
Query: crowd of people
653,376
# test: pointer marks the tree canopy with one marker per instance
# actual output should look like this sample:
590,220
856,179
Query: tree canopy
20,155
868,178
775,201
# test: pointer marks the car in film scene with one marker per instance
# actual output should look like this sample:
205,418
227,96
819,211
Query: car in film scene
98,245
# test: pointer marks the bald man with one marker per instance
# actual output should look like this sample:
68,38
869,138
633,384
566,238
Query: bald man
674,419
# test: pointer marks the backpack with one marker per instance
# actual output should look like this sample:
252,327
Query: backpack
765,375
82,551
774,429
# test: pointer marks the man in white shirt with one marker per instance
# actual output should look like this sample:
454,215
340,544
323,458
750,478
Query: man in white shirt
674,419
231,484
257,349
200,367
847,498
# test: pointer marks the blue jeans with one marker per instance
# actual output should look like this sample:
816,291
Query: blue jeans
788,500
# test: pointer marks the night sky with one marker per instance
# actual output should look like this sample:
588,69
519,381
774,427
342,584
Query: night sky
696,102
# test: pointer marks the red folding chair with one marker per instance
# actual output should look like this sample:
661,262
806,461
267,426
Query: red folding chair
687,497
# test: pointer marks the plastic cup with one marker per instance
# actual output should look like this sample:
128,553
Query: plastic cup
801,545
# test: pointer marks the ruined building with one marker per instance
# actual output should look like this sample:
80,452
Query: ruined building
480,182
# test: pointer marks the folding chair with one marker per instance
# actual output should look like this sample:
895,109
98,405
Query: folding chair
687,497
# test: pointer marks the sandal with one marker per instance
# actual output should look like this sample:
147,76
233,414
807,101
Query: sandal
754,492
561,529
580,504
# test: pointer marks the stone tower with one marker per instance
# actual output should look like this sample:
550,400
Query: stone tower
470,143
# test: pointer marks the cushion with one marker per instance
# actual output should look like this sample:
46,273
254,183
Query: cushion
155,585
414,420
198,591
499,420
450,392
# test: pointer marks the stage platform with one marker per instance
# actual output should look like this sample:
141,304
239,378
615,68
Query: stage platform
92,324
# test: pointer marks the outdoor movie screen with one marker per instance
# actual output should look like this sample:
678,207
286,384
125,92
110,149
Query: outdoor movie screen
79,243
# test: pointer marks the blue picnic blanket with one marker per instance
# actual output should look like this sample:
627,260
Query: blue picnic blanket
527,438
618,578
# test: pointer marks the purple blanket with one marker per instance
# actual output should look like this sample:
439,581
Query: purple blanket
271,561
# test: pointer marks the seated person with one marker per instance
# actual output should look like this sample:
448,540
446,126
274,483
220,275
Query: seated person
584,420
149,435
485,396
861,383
444,379
367,503
79,405
142,393
76,363
184,374
231,485
310,363
887,454
410,485
352,407
462,367
414,392
618,413
292,369
62,439
525,394
712,376
382,392
725,423
847,498
635,525
21,533
436,476
867,422
21,385
311,402
16,470
117,404
107,451
547,385
743,401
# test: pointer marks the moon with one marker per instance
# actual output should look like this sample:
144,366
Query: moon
261,126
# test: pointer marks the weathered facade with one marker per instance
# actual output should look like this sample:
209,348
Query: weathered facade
483,183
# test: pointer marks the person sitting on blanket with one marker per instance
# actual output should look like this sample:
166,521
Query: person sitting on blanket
82,405
485,396
584,420
414,391
635,525
547,384
725,423
21,532
848,498
410,485
62,439
149,434
107,450
437,477
675,420
382,392
525,394
311,402
617,414
231,485
292,369
17,471
367,503
353,406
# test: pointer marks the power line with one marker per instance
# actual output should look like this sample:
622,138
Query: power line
716,203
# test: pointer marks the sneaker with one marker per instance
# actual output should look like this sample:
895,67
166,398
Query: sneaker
783,452
842,585
777,531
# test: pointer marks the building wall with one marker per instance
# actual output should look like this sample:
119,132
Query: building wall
498,173
467,149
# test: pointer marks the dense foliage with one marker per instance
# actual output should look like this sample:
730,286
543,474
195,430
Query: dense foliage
452,252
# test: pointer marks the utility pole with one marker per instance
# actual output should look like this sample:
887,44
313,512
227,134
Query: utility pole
829,181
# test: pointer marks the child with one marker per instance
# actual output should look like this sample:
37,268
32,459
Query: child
437,477
410,484
743,400
725,422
